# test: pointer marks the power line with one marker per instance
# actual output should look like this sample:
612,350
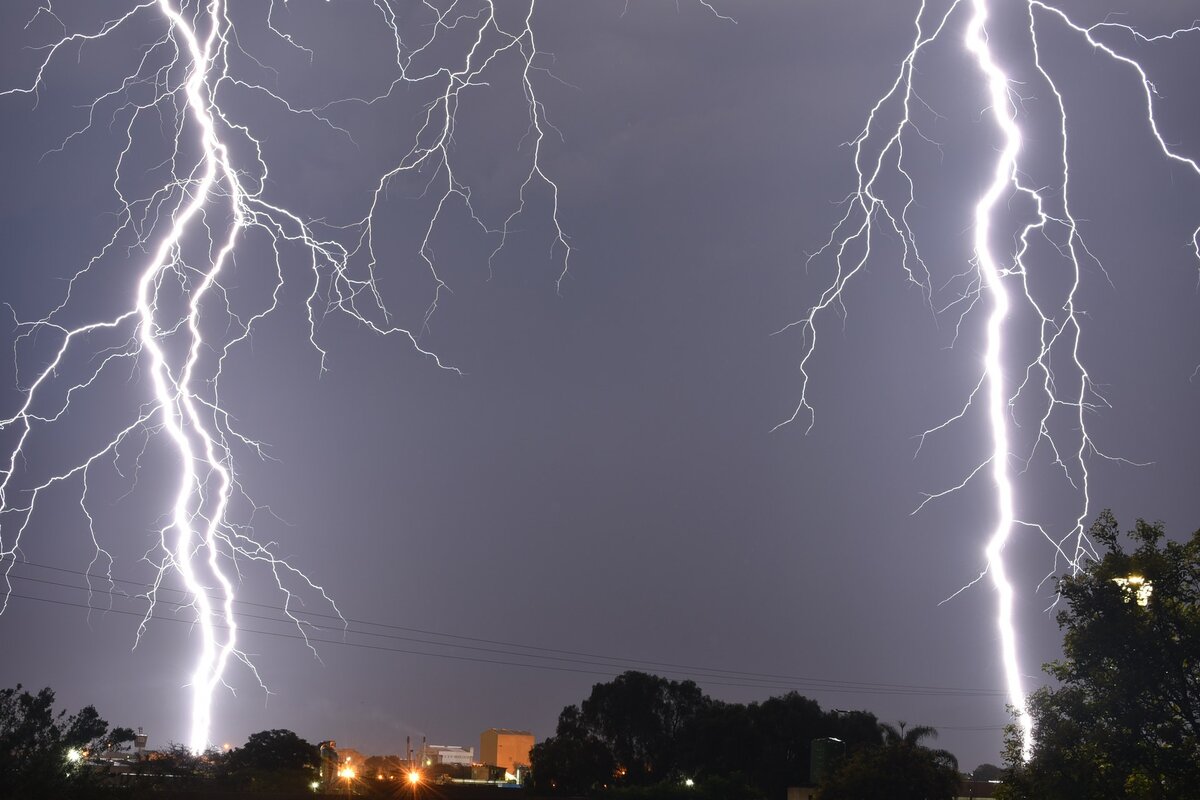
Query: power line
705,680
689,669
707,675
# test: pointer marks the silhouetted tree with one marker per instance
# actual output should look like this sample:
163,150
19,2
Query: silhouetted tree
276,759
721,740
1124,721
35,743
643,730
786,727
912,737
900,768
769,744
642,717
633,728
572,761
987,772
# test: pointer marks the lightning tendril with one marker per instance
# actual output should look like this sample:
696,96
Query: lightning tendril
996,281
180,320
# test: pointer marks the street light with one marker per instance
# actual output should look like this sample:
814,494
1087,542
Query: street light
346,773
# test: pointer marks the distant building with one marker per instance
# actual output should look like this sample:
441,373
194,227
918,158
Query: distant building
350,758
139,742
484,773
329,762
435,754
506,748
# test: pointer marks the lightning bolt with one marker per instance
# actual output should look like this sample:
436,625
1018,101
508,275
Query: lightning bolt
1056,378
180,323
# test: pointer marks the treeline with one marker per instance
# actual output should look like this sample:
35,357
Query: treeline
644,735
38,745
46,754
1121,719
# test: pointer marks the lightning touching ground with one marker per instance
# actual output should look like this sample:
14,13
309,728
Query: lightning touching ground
1000,278
180,318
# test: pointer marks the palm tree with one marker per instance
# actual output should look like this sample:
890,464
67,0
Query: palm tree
900,767
912,737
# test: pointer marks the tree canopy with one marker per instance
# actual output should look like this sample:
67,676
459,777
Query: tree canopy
274,759
987,772
644,730
274,749
35,743
1124,721
901,767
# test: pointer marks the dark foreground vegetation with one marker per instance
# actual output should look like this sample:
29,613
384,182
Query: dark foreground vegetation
44,754
1124,719
642,736
1121,722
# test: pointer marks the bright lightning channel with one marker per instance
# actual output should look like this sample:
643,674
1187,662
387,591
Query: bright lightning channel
1002,178
181,325
994,280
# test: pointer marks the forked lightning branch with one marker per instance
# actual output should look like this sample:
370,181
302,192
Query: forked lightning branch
180,323
1004,269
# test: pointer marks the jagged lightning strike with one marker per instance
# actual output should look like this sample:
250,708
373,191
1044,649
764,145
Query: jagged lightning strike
179,323
997,279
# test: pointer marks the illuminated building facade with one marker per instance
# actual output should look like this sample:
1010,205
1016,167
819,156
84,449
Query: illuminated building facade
434,754
506,748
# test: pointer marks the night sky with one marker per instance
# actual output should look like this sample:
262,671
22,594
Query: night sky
602,479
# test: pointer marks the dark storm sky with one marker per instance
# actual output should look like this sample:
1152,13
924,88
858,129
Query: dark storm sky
603,478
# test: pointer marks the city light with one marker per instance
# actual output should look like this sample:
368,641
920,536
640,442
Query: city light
179,325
